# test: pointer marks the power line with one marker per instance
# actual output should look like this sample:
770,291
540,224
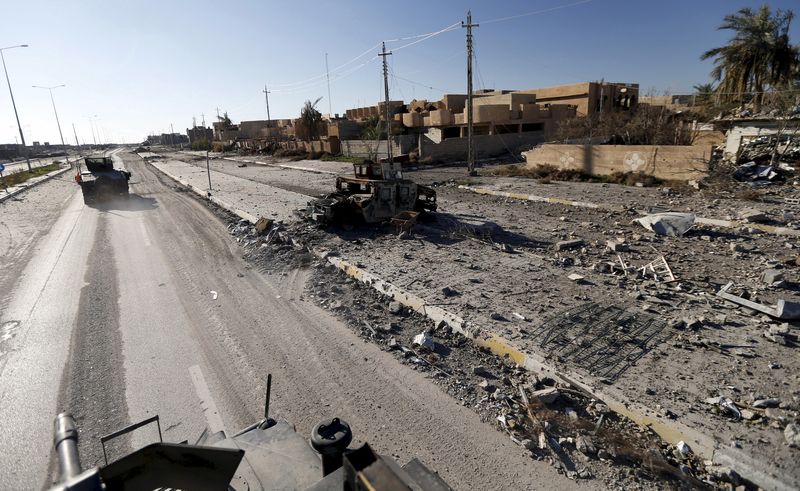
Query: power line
536,12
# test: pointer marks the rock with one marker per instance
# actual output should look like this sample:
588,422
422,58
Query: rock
571,414
575,277
753,216
529,444
736,247
792,435
498,317
771,276
603,454
547,396
424,340
764,403
481,371
601,408
395,308
617,245
683,449
585,445
263,224
487,386
450,292
748,414
723,473
392,343
565,245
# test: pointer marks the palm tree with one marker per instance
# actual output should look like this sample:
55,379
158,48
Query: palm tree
310,119
702,93
759,55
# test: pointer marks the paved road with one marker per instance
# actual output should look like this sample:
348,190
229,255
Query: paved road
110,308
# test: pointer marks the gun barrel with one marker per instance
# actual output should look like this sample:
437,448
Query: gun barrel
65,438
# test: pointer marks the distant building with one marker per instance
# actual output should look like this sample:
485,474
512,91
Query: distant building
199,133
167,139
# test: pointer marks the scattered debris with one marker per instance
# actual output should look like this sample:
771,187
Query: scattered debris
424,340
659,269
671,224
213,294
565,245
783,309
753,216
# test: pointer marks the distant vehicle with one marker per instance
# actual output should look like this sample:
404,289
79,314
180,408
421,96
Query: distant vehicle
100,180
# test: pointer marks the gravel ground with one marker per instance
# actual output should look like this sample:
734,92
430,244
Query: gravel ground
703,347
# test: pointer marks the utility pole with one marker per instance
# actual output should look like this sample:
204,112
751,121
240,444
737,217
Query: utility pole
203,115
14,104
171,135
266,96
602,93
58,123
470,142
328,77
384,54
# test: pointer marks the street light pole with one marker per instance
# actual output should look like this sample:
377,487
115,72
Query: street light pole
58,123
208,169
14,104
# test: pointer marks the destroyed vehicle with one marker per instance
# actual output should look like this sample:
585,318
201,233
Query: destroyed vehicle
100,180
376,193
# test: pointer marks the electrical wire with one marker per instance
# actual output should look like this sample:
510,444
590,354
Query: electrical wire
352,60
536,12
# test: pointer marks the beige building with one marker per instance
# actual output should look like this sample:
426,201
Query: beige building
590,98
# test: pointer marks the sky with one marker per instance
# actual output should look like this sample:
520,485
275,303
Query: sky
133,68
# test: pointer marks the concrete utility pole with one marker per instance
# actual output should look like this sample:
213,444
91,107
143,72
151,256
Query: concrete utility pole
14,104
266,96
602,93
208,170
328,77
58,123
384,54
470,142
171,135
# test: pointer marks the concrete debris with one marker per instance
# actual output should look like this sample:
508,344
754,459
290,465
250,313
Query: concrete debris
481,371
792,435
263,224
424,340
752,215
683,449
213,294
395,308
565,245
617,245
585,445
450,292
498,317
783,309
487,386
547,396
519,316
576,278
671,224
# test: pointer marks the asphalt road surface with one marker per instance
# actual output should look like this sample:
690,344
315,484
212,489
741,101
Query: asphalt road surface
145,307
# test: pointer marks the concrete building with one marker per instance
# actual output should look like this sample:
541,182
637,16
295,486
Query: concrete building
590,98
199,133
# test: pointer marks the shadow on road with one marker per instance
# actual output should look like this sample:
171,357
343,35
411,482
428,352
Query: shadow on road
133,202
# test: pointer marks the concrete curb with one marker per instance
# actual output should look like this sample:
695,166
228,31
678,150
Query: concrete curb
282,166
33,183
204,193
669,430
712,222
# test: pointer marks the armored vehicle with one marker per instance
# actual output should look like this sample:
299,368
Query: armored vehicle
100,180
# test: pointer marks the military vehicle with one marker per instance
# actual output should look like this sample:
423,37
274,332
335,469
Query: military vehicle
266,455
376,193
101,180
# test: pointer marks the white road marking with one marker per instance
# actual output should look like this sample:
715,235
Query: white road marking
206,401
145,235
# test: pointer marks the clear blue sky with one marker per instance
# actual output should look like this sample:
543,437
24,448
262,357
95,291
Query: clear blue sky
141,65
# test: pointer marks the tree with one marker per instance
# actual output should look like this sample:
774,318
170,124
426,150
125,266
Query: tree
703,93
310,119
758,56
